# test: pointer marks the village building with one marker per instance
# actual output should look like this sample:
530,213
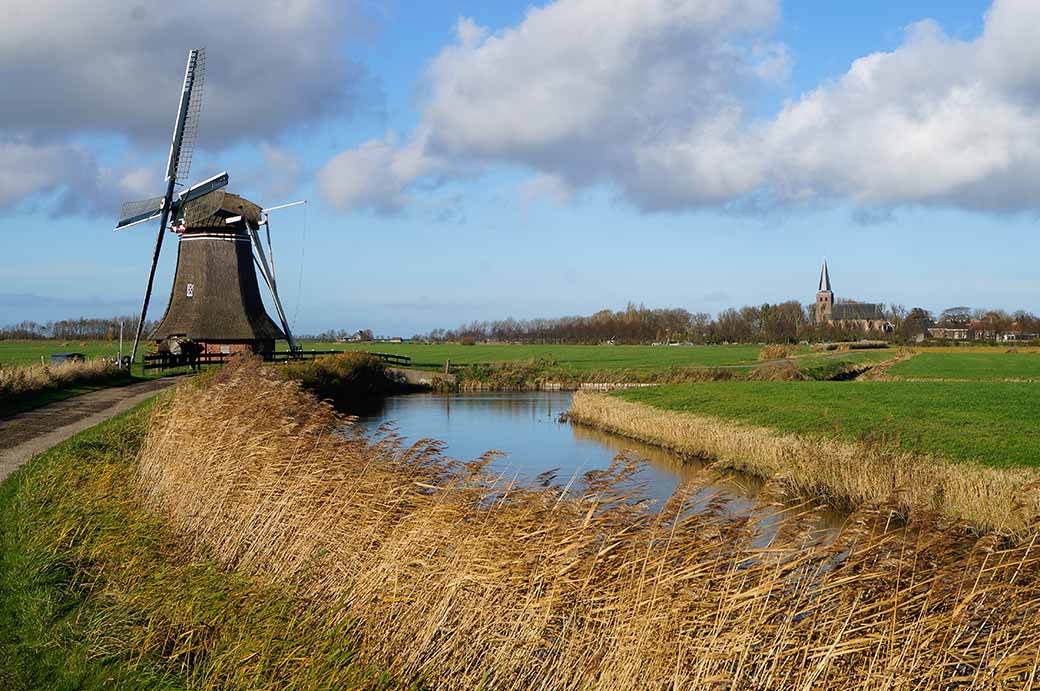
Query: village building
949,333
859,316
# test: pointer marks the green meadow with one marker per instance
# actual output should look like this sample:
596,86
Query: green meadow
991,422
971,365
576,358
30,352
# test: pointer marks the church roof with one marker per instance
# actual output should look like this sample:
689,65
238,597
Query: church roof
825,279
848,311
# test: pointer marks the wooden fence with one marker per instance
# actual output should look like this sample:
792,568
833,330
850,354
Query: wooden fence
164,361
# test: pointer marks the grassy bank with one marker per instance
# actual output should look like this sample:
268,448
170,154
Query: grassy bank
972,365
95,593
538,373
986,422
455,576
852,445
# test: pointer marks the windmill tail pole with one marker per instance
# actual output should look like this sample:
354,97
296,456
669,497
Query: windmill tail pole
151,279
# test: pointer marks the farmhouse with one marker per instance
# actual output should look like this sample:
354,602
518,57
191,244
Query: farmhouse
861,316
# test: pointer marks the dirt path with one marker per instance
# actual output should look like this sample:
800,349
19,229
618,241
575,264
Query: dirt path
27,434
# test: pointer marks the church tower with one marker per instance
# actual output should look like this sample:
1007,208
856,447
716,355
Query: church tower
824,297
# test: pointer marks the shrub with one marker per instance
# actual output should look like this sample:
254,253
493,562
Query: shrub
344,377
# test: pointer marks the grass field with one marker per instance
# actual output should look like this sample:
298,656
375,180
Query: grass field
30,352
571,357
952,364
991,422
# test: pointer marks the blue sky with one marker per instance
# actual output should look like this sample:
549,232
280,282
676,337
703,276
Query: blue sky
693,157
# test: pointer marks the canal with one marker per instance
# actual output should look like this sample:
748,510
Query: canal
526,428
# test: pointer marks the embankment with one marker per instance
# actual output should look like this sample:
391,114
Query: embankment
539,375
846,474
236,539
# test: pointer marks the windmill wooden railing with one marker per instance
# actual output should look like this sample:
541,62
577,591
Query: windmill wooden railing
164,361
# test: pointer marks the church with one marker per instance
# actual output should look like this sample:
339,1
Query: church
860,316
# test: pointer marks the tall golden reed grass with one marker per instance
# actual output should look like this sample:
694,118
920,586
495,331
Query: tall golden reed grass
19,380
456,577
775,351
845,474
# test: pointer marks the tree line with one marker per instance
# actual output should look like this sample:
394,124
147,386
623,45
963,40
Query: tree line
82,329
784,322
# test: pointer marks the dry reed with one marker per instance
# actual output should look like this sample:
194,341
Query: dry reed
20,380
845,474
775,351
457,577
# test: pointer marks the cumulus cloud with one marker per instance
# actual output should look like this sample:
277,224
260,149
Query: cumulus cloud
376,174
113,66
657,99
69,174
73,70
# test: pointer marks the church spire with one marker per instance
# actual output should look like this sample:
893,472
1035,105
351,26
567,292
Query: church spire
825,279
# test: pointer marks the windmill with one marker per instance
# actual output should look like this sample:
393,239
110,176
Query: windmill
215,301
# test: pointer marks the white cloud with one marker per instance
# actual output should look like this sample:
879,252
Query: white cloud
655,98
376,174
935,121
70,173
112,66
73,70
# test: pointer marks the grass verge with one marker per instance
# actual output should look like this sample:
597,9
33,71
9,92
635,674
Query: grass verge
783,431
95,593
989,423
12,405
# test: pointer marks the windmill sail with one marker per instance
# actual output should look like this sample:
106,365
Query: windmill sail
177,164
193,90
132,213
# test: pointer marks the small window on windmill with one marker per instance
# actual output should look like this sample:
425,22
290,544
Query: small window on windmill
191,290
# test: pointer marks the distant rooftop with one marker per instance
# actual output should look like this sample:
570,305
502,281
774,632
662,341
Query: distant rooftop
846,311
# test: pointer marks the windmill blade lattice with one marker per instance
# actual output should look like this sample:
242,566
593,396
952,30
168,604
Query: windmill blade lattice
198,212
191,122
131,209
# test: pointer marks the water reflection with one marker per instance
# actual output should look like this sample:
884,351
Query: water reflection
525,427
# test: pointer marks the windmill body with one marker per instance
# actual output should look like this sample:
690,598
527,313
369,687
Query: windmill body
215,300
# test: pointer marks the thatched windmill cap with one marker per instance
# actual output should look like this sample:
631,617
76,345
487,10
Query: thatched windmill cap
211,212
